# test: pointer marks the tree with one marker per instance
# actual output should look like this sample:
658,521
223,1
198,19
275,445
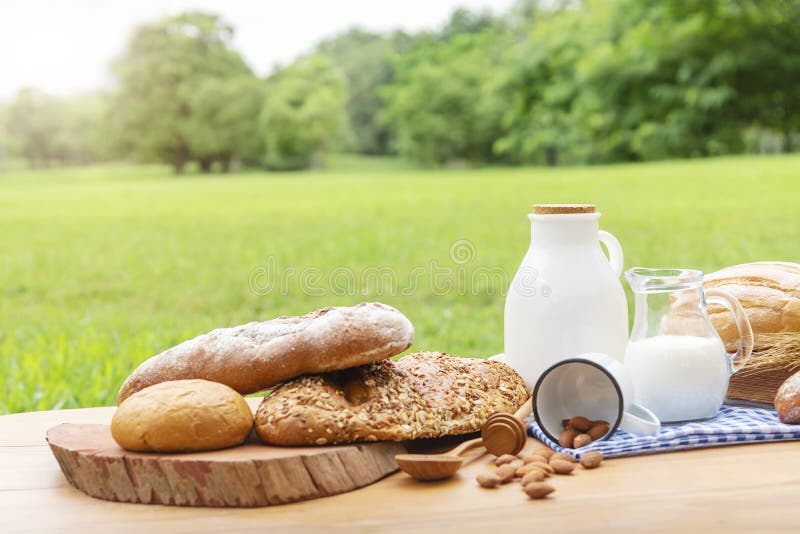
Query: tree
81,136
223,125
463,21
632,80
443,104
304,113
678,79
540,90
366,59
158,72
45,129
31,119
771,79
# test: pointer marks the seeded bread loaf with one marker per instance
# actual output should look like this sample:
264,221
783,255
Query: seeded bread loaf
770,295
423,395
259,355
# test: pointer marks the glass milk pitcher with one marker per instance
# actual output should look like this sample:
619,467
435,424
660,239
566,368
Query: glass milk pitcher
676,360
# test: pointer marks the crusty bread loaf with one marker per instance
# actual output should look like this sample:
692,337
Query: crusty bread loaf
182,416
256,356
423,395
787,400
769,293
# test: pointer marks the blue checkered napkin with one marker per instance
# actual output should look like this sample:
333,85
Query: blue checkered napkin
731,426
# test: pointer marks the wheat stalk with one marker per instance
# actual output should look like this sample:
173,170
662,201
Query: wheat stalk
774,352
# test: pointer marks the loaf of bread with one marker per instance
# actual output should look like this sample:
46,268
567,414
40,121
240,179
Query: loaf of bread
769,293
259,355
423,395
787,400
182,416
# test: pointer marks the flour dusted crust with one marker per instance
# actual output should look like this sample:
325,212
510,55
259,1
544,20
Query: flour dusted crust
787,400
259,355
423,395
769,293
182,416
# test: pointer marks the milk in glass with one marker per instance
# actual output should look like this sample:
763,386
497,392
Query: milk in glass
679,378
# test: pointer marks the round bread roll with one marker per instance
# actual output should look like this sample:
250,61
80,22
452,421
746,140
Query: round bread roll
787,401
257,356
182,416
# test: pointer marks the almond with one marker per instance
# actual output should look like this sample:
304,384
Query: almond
580,423
546,452
506,473
525,469
581,440
504,459
538,490
488,480
566,438
598,430
543,466
562,456
533,476
591,459
562,467
533,457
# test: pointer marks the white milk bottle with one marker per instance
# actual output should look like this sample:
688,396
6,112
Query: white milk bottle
677,363
566,298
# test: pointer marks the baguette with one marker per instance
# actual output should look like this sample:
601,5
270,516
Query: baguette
423,395
259,355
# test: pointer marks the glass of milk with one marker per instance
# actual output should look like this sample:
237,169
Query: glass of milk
678,363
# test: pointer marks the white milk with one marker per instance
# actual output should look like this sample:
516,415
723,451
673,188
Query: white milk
680,378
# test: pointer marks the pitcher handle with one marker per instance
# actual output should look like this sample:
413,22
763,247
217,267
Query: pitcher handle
614,250
640,421
746,341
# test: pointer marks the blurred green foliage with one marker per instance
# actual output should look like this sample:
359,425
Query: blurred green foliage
160,72
222,126
442,106
304,113
47,130
367,60
545,83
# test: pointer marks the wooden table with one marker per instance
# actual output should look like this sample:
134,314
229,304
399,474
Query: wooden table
750,488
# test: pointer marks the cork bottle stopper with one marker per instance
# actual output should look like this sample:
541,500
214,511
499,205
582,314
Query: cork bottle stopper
560,209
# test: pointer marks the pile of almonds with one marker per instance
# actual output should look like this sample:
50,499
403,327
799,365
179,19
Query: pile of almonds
579,432
533,468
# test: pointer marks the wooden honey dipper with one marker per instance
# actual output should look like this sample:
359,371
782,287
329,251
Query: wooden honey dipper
502,434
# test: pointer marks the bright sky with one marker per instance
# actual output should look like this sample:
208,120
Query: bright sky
64,46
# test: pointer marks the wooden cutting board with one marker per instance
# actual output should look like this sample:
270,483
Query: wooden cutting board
252,474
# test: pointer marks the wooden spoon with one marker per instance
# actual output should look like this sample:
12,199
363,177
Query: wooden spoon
502,434
436,466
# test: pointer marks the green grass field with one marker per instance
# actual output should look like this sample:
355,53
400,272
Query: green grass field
103,267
